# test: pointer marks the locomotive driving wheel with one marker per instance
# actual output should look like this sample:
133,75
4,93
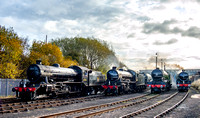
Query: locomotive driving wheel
152,91
32,95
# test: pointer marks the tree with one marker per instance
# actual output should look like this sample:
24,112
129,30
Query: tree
49,54
11,50
89,52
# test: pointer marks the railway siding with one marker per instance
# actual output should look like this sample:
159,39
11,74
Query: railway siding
39,104
187,106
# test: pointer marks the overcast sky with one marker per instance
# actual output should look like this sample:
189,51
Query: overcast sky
136,29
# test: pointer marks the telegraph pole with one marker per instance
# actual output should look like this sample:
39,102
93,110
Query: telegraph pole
164,66
156,59
46,39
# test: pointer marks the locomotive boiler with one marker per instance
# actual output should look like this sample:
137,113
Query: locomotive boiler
182,81
55,80
161,81
123,81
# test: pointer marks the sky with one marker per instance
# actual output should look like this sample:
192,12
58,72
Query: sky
136,29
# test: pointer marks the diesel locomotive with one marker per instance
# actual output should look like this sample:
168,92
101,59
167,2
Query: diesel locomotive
182,81
124,81
55,80
161,81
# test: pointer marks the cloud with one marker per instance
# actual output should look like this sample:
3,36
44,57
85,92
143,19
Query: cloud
59,9
192,32
131,35
164,28
161,7
143,18
194,57
174,59
169,42
133,28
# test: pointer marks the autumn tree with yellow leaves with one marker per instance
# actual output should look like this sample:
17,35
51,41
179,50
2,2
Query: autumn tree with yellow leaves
14,60
49,54
88,52
11,50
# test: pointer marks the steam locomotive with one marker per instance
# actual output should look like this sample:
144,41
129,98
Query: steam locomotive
161,81
124,81
182,81
55,80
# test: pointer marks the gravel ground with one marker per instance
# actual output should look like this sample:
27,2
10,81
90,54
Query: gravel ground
188,109
120,112
157,110
42,112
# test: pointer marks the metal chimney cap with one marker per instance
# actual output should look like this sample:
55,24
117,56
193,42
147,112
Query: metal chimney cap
39,62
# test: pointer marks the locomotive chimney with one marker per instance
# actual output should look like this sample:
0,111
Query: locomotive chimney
39,62
56,65
114,68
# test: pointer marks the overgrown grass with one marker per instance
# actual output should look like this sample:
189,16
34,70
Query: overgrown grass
10,96
196,84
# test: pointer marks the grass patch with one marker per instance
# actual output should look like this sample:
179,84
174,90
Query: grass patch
10,96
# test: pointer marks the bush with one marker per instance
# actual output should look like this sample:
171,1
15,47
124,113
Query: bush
196,84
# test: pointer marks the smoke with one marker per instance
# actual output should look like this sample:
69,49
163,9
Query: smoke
112,61
173,80
174,66
152,61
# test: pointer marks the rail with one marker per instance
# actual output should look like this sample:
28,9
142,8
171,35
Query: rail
91,107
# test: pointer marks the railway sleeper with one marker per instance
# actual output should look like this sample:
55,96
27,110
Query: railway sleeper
112,109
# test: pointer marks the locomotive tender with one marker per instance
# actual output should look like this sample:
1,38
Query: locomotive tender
161,81
124,81
182,81
55,80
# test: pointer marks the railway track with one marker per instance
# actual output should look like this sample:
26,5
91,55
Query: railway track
156,106
99,109
43,103
8,100
160,108
171,108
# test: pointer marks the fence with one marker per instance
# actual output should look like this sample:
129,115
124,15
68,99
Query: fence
6,86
